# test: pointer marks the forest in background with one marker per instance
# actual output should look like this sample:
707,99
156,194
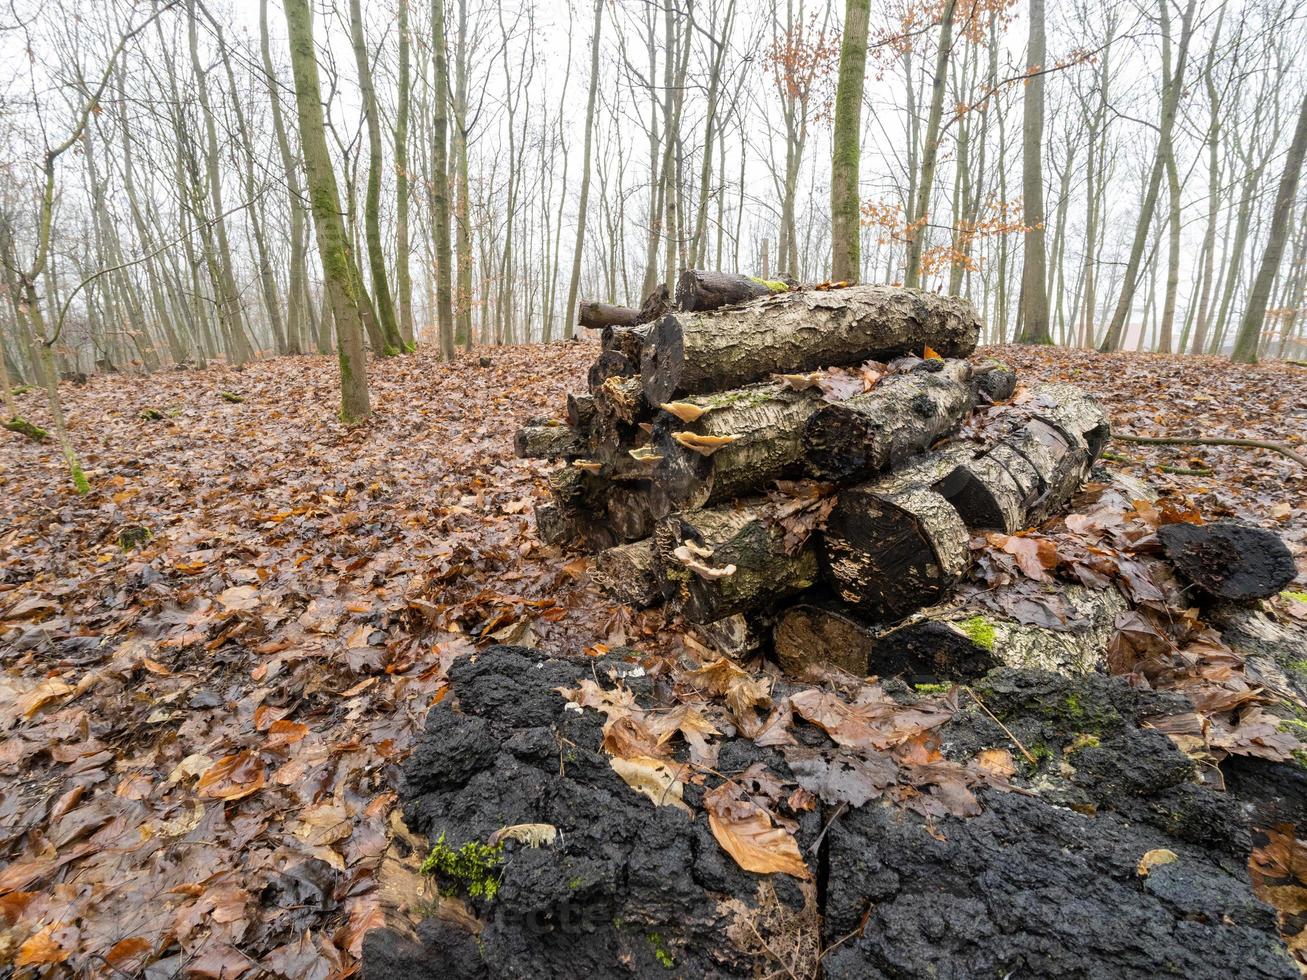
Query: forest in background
688,134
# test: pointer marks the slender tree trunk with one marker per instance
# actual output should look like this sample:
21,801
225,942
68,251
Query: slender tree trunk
440,183
575,281
338,268
845,205
403,277
917,233
1034,275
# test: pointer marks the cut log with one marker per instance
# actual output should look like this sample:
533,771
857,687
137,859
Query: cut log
568,526
894,545
764,424
629,510
714,563
737,636
1034,469
698,290
1229,560
599,316
621,398
995,381
627,341
962,639
899,418
555,441
692,353
813,634
609,364
580,410
627,573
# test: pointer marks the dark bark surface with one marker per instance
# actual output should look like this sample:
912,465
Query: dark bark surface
698,290
598,316
1228,559
549,442
691,353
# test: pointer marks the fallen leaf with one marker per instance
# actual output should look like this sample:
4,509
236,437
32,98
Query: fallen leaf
1154,858
233,777
652,777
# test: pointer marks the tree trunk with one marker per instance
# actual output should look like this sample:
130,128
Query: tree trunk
698,352
440,183
813,634
930,149
698,291
575,280
1034,291
846,142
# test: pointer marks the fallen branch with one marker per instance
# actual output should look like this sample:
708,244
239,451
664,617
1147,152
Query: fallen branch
1277,447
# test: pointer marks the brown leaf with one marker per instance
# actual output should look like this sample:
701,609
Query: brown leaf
746,832
233,777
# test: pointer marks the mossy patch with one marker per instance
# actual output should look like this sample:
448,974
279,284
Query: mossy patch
1294,596
134,536
1082,742
979,631
774,285
932,688
660,951
26,428
474,866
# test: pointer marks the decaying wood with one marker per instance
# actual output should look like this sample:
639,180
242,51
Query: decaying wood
629,508
692,353
698,290
738,636
963,638
1229,560
714,563
609,364
555,441
813,634
580,410
627,573
894,545
627,341
898,418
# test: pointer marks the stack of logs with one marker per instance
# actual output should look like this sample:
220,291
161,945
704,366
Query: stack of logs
757,441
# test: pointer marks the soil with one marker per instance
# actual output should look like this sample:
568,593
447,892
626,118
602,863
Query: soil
1045,881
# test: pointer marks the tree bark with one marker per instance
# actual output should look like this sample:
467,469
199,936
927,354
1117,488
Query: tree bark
575,280
846,142
698,291
549,442
440,183
1034,291
1229,560
698,352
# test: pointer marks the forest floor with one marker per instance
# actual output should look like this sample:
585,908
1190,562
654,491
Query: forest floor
213,661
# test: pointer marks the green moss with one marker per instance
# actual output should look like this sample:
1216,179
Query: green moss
775,285
932,688
1298,665
80,483
660,951
1300,757
474,866
21,390
1073,706
26,428
134,536
1294,726
1295,596
1081,742
574,884
151,415
231,396
979,631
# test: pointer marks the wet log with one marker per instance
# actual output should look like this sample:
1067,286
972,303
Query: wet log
698,290
580,410
737,636
995,381
629,510
692,353
569,526
627,341
554,441
598,316
895,545
627,573
714,563
1229,560
1034,469
814,634
900,417
609,364
964,638
615,429
764,426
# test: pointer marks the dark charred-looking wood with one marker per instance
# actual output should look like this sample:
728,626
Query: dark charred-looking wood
714,563
698,290
994,381
962,639
814,634
556,441
621,398
627,573
569,526
738,636
691,353
580,410
1228,559
627,341
656,304
899,418
894,545
597,316
609,364
765,423
630,510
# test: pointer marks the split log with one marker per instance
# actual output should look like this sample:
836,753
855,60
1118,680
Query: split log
627,573
1034,469
962,639
900,417
894,545
813,634
556,441
759,429
619,408
627,341
691,353
698,290
1229,560
580,410
714,563
621,398
737,636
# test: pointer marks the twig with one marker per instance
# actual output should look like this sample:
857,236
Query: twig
1277,447
1015,741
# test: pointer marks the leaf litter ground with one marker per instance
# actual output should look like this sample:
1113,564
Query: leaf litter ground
213,662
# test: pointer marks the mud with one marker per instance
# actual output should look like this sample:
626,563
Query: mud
1044,882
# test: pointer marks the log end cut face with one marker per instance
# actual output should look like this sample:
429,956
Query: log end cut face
1228,559
810,635
931,651
663,360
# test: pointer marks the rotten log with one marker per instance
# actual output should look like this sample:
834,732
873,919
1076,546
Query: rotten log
629,508
554,441
627,341
714,563
580,410
812,634
627,574
568,526
698,290
738,636
609,364
1229,560
995,381
900,417
736,442
964,638
1034,469
692,353
894,545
